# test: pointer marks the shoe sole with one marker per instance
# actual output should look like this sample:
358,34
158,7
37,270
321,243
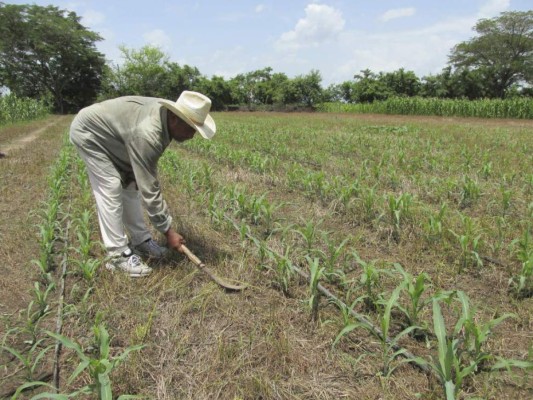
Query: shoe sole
112,268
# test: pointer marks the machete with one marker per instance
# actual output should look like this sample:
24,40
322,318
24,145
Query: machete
222,282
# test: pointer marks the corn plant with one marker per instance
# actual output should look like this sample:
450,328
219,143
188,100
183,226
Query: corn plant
315,274
264,252
470,192
486,170
37,309
333,254
14,108
522,285
346,192
368,200
46,247
30,358
88,267
469,242
415,287
370,281
308,233
83,232
474,333
388,347
462,352
449,366
506,199
268,219
399,209
284,271
99,366
435,223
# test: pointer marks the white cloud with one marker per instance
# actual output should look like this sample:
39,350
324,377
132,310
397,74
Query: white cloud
397,13
92,18
321,24
259,8
493,7
158,38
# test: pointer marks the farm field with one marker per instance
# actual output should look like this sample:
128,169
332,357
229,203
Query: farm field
421,227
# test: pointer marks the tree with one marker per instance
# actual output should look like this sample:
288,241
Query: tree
143,73
502,52
180,78
218,90
369,87
305,89
456,84
46,51
401,82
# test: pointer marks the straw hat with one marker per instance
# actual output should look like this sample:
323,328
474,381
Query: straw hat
193,108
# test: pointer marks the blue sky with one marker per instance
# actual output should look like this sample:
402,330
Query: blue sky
337,37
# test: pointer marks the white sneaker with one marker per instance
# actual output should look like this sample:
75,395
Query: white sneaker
129,263
150,249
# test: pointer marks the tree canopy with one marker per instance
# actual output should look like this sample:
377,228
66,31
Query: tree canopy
45,51
502,53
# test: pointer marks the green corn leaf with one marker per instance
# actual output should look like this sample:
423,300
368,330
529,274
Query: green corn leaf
347,329
65,341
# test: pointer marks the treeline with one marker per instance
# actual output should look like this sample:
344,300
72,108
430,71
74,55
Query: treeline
46,53
149,72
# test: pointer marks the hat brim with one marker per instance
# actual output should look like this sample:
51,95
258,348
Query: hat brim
207,130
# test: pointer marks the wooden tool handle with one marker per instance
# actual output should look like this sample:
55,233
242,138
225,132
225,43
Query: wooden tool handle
191,256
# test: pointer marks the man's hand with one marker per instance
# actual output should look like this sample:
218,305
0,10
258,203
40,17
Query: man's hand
174,240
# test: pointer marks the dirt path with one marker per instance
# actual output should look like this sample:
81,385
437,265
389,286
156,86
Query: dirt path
29,137
22,186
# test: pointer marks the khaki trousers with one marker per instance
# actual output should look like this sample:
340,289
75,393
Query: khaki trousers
120,212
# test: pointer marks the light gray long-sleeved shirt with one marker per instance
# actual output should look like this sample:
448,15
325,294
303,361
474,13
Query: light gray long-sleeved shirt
132,132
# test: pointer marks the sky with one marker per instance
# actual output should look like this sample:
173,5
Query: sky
339,38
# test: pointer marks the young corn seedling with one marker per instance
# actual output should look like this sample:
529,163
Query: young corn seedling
470,192
506,199
37,309
346,193
475,334
46,247
370,281
30,358
88,267
332,256
315,274
368,200
284,271
449,365
415,287
100,365
83,232
308,233
522,285
264,252
469,243
388,352
215,211
399,208
435,223
267,215
486,170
